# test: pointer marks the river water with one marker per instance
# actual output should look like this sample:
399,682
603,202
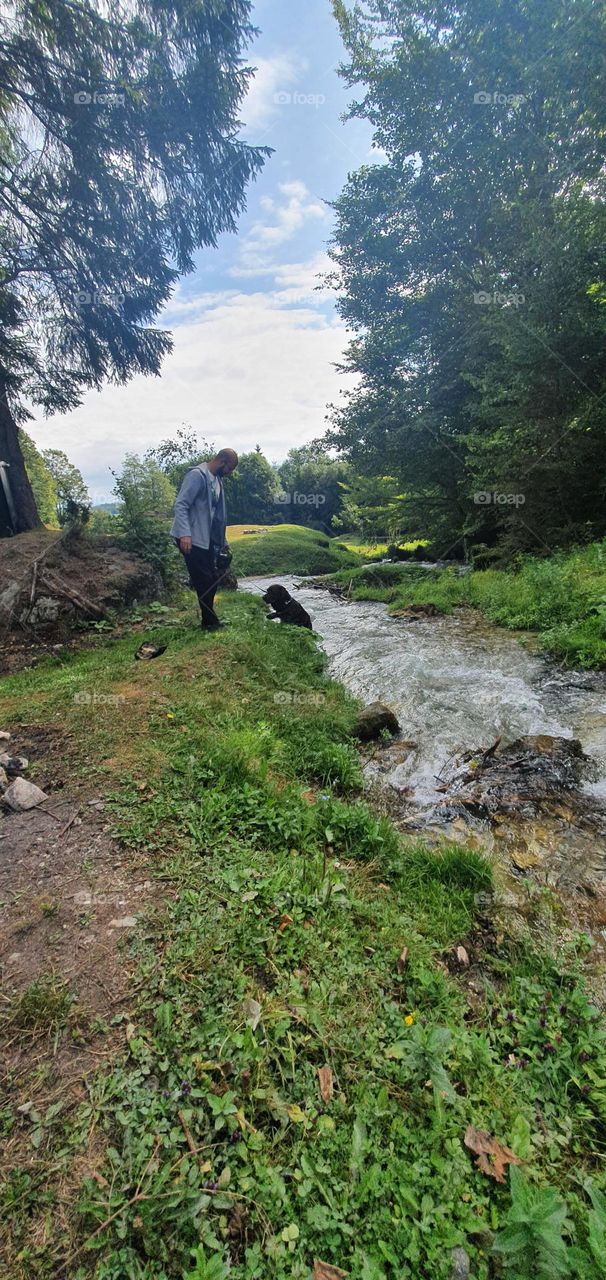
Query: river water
456,683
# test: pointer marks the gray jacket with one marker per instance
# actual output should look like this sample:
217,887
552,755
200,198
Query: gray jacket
193,510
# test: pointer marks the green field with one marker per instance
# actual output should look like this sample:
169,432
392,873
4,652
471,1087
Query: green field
286,548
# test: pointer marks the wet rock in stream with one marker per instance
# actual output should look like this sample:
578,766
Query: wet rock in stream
520,775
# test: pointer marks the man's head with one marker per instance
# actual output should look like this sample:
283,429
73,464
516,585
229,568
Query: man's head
225,462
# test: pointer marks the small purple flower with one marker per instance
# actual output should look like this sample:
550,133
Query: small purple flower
185,1088
563,1009
509,1017
549,1048
542,1022
166,1093
583,1056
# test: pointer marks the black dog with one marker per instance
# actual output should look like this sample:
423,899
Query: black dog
285,608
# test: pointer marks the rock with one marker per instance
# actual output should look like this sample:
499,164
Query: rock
461,1265
416,611
123,922
373,720
4,736
13,764
22,795
462,957
3,779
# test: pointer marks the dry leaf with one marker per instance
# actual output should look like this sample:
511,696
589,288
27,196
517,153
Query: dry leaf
252,1012
492,1156
324,1271
284,923
402,960
326,1085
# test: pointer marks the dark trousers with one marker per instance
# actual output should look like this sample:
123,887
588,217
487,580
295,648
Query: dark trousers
202,569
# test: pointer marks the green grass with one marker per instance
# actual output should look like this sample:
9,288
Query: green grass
286,548
563,598
278,953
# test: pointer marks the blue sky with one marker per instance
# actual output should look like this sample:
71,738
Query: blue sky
254,343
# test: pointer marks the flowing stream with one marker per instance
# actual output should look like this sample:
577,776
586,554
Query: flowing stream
457,683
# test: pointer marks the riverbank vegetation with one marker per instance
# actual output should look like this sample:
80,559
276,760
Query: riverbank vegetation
309,1071
563,598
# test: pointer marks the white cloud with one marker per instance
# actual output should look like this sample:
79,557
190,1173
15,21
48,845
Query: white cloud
271,77
287,214
245,369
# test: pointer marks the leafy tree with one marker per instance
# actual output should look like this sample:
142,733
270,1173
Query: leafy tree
177,454
146,497
41,479
72,494
471,266
251,490
308,474
120,158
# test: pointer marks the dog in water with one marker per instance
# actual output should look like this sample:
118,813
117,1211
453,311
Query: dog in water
285,608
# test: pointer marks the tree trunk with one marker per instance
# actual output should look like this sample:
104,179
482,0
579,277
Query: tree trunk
10,452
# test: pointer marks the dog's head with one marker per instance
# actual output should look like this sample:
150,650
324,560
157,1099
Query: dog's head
277,596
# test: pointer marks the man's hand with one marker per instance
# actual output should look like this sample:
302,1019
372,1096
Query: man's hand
185,545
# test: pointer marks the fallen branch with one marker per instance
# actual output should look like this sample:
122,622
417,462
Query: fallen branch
58,587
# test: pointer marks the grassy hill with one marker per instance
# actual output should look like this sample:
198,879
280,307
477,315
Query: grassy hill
286,548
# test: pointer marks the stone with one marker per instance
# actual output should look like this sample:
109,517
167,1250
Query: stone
13,764
22,795
4,736
3,779
373,720
461,1265
123,922
83,898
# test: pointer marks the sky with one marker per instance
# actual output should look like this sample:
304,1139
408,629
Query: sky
255,344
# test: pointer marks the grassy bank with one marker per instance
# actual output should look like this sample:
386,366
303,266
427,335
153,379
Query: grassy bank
304,1051
286,548
563,598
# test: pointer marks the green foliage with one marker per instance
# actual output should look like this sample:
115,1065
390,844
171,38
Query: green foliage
40,478
470,267
146,498
73,498
306,474
273,948
531,1242
154,172
251,490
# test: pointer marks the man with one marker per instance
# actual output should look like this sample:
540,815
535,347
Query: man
199,528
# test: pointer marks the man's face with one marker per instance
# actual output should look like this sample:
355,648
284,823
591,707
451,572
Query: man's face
226,468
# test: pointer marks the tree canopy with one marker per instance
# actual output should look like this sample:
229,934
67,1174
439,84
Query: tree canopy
119,158
470,266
